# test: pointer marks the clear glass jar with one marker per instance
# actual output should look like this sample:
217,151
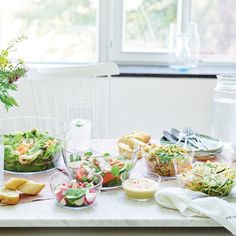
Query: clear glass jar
224,109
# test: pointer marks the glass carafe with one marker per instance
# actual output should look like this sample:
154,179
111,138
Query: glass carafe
224,108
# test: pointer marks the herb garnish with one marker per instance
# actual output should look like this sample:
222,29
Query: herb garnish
10,71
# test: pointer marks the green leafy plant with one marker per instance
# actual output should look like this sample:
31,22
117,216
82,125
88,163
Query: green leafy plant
10,72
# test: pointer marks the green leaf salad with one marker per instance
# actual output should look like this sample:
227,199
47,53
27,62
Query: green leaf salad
30,151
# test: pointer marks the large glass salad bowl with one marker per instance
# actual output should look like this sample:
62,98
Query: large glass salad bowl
32,144
110,167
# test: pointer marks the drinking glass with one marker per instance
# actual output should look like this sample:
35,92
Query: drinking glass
81,116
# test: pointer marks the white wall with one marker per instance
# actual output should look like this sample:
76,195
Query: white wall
150,104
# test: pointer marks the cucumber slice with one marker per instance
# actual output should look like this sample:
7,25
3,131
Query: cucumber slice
74,194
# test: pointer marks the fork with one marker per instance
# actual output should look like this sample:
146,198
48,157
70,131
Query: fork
191,134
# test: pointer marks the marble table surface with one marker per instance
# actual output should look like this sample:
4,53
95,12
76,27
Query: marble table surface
112,209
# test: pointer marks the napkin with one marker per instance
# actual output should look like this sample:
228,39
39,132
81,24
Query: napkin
190,203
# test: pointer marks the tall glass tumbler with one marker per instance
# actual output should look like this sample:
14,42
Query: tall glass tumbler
81,117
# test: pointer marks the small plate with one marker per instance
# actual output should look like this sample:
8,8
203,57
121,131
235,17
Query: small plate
214,144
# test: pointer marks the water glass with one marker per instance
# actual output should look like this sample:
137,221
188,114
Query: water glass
81,116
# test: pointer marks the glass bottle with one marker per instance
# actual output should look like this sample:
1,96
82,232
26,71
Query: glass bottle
194,43
182,53
172,37
224,109
172,43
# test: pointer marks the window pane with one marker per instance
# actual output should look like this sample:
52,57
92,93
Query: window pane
216,21
146,24
62,30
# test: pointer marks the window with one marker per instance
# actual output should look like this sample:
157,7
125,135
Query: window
123,31
216,22
142,28
57,31
146,25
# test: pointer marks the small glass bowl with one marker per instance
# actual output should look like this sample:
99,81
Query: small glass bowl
61,182
140,186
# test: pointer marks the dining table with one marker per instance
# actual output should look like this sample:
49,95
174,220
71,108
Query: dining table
113,212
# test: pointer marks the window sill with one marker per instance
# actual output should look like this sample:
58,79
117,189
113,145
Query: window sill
205,71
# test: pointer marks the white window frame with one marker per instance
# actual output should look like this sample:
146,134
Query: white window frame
117,34
111,32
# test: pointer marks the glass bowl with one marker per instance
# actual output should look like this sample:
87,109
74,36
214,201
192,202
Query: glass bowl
211,178
110,167
32,144
73,194
163,165
140,186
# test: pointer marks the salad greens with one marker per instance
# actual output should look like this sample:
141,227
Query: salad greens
110,168
168,153
30,151
212,178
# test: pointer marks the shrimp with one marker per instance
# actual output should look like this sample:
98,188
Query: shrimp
22,149
24,159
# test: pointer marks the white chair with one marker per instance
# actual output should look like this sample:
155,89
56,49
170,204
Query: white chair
55,88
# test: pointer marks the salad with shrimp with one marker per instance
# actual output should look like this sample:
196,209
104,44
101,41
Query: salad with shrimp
30,151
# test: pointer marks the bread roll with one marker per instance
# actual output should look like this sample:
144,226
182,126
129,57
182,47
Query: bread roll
8,196
23,185
130,142
140,136
31,188
15,183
